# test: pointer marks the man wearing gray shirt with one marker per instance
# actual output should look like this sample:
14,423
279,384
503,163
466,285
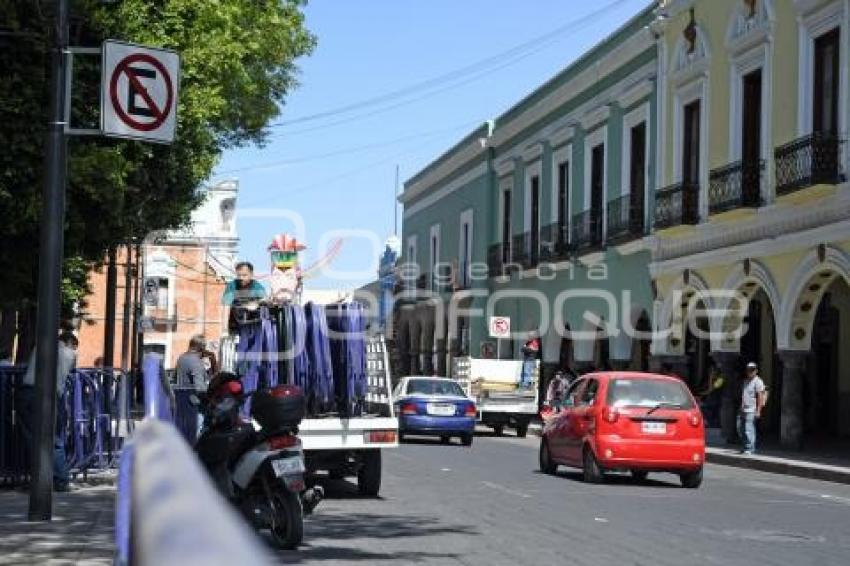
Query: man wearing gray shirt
752,402
190,368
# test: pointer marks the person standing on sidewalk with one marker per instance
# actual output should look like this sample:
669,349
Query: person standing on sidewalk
66,360
190,368
752,402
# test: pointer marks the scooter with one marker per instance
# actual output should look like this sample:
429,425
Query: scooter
258,466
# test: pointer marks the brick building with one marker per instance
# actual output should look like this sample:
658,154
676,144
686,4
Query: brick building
183,276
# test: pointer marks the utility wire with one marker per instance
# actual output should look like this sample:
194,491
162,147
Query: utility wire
341,176
479,69
345,151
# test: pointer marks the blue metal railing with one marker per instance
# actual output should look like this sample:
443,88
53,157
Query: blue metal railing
170,492
93,418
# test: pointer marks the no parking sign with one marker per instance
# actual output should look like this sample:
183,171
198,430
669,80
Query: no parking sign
139,92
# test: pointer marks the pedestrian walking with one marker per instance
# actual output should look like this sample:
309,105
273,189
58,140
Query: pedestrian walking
752,403
66,361
556,391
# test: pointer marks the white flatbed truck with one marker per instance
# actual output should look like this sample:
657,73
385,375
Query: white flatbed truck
494,386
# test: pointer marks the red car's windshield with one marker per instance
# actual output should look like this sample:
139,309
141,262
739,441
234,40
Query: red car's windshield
648,393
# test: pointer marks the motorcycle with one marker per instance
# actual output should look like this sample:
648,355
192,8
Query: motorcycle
258,466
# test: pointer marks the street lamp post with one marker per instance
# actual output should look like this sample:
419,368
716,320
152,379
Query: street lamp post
49,276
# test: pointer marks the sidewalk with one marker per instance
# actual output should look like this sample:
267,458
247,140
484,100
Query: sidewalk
821,462
81,531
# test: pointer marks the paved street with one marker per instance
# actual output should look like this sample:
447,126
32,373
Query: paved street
490,505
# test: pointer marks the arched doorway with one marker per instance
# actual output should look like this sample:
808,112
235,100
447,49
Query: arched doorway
758,344
826,388
697,343
814,326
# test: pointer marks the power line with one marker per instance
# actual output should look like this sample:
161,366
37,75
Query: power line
479,69
345,151
324,182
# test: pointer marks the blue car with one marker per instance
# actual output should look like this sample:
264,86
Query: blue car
434,406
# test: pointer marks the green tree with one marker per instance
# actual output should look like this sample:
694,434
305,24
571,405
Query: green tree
237,67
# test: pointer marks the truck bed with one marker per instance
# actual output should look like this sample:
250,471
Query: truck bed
334,433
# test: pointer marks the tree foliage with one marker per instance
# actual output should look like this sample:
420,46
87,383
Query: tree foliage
237,67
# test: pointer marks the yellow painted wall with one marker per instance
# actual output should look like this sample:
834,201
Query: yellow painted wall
714,16
786,69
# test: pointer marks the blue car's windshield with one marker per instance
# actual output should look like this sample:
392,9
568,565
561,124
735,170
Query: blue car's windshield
433,387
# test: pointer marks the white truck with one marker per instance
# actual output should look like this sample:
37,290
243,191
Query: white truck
351,446
494,385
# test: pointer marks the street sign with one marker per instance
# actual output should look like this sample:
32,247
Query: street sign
139,90
500,327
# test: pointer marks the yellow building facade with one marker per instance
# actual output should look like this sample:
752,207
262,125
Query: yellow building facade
751,246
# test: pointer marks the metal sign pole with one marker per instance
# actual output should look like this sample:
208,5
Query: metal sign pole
49,274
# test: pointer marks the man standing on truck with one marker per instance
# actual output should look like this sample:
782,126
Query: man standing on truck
243,292
530,352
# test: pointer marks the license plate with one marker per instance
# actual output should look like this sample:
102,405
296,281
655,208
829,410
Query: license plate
441,410
286,466
654,428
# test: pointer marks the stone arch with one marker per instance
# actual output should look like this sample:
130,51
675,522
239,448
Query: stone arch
743,283
669,325
812,278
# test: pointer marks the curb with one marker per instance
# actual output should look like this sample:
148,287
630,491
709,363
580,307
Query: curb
773,465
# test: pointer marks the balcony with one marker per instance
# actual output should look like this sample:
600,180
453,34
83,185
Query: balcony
587,231
677,205
808,161
555,243
526,250
625,222
735,186
499,260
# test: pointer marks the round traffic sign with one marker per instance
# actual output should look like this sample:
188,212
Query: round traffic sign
159,113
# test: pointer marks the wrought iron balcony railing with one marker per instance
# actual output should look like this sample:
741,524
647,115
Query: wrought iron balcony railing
734,186
587,231
676,205
499,260
811,160
526,250
555,242
625,221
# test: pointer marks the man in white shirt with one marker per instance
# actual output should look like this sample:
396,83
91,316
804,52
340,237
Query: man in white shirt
66,361
752,403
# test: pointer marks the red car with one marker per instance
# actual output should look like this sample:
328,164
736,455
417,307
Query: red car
626,421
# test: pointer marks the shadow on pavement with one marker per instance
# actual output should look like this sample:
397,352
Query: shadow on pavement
81,530
363,527
619,479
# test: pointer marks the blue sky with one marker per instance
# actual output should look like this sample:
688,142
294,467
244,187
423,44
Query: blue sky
337,172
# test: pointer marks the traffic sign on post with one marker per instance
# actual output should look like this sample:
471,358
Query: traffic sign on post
500,327
139,92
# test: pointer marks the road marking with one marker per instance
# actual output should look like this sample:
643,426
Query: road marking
600,520
445,469
504,489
